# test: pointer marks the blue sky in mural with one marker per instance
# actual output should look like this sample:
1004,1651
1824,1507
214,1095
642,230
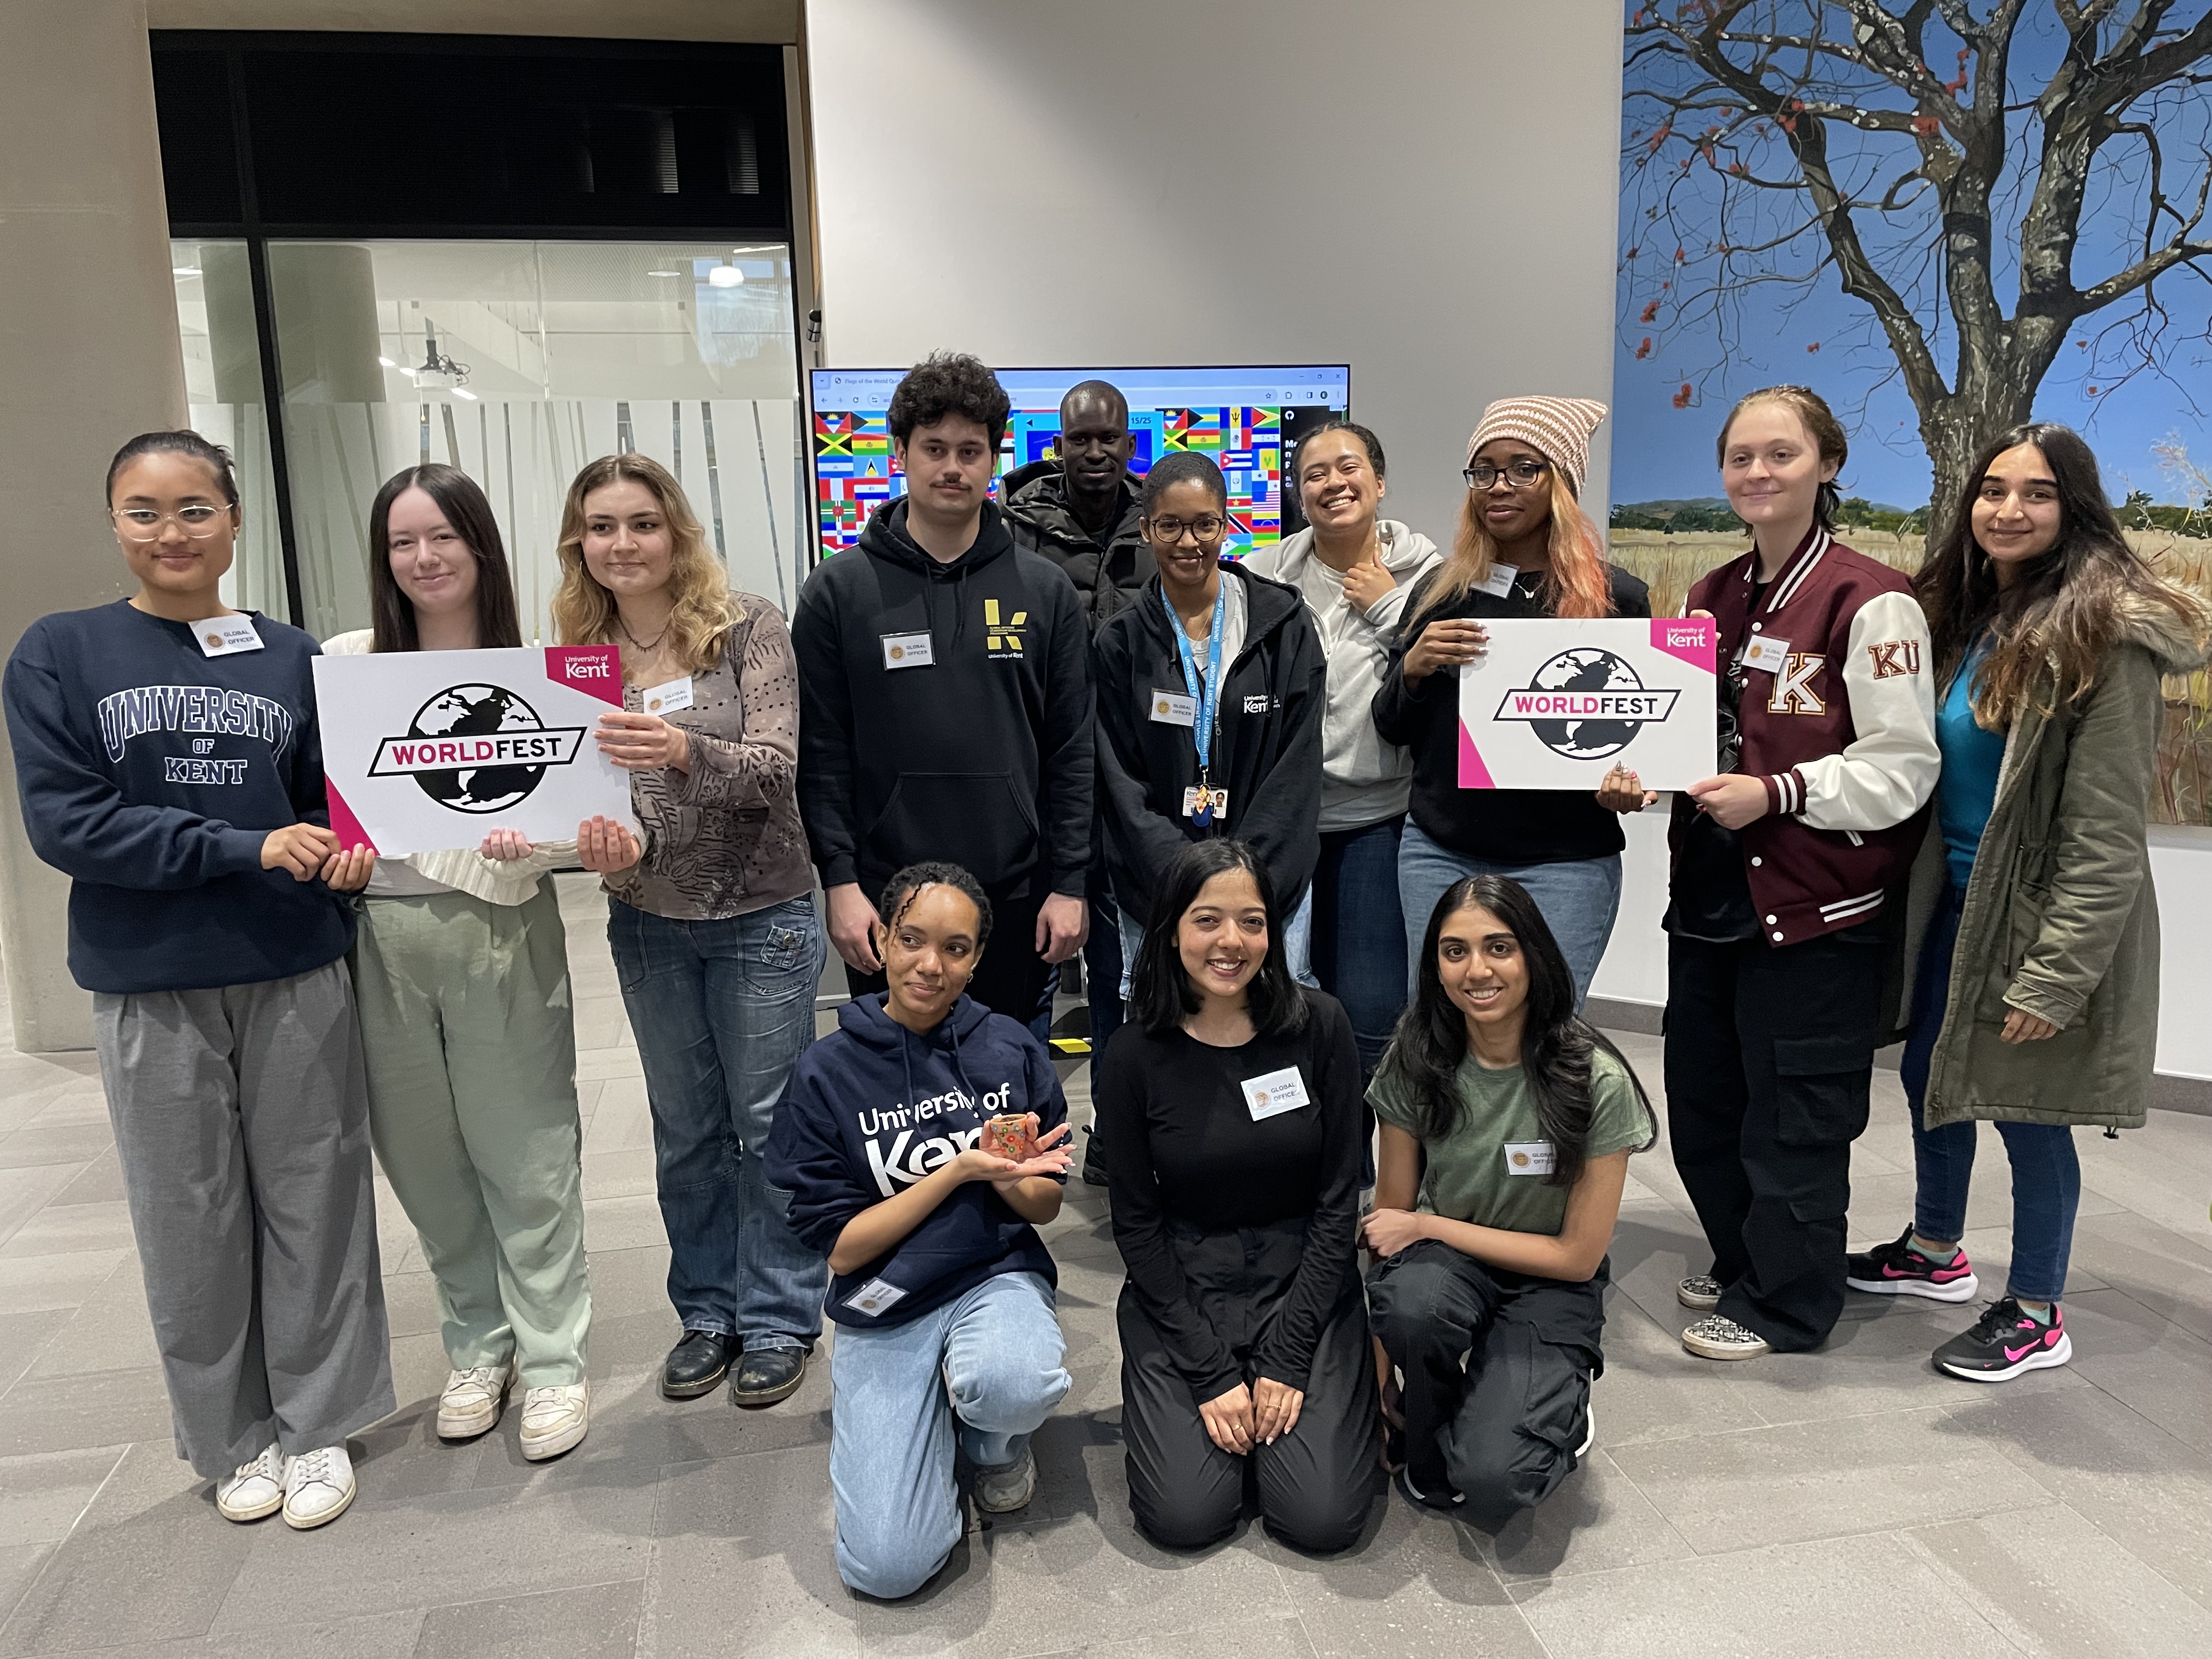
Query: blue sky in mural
1748,332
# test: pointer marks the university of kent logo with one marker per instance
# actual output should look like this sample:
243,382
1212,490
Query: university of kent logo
477,749
1003,635
1587,703
1895,659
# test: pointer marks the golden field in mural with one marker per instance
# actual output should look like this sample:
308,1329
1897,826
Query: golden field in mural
1668,563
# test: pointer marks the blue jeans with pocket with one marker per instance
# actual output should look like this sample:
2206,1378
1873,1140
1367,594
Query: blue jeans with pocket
2046,1170
982,1371
1358,949
1579,898
721,1011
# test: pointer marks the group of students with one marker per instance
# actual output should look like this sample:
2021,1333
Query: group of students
1001,735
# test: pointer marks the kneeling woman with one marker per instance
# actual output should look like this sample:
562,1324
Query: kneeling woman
1507,1123
1233,1134
942,1290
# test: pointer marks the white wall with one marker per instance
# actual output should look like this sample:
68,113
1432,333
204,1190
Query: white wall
1425,189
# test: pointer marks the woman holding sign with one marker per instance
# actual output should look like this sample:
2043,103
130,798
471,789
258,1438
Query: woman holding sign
461,968
1525,548
1234,1139
169,761
714,931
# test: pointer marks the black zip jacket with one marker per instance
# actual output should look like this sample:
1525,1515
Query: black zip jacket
1505,826
1267,743
983,756
1039,517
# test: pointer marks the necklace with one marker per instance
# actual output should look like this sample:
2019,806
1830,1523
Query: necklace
645,647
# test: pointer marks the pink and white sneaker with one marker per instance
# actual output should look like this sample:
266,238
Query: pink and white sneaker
1898,1269
2007,1340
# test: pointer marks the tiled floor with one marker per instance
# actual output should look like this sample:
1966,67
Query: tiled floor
1848,1503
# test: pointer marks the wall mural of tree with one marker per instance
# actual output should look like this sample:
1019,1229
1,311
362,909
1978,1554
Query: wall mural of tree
1963,192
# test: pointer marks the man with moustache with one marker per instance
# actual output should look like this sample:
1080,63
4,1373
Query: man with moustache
945,702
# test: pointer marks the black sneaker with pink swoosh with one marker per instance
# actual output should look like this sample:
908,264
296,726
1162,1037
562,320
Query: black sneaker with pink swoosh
1898,1269
2007,1340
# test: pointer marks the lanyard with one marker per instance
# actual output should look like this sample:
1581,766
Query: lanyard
1209,695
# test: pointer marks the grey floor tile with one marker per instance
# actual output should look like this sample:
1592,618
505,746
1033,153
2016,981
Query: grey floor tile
1596,1520
593,1621
30,1283
19,1565
374,1636
2144,1361
1262,1639
64,1143
1804,1600
99,1408
624,1223
410,1304
99,1181
625,1172
2168,1271
1651,1390
2056,1587
111,1331
24,1193
23,1338
42,1494
59,1230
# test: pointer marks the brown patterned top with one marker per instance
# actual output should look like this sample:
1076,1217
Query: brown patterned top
723,839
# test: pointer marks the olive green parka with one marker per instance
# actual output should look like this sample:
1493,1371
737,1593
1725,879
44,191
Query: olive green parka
2060,920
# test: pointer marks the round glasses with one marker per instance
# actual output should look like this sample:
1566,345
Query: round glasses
143,524
1520,475
1171,530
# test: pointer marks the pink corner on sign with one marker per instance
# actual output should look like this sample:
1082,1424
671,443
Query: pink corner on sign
1694,640
346,827
594,670
1473,773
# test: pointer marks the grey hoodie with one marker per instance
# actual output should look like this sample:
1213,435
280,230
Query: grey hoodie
1364,779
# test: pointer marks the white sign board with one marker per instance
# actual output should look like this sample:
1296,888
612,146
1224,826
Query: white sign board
1556,705
429,749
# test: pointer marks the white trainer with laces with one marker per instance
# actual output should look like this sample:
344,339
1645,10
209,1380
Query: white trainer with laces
318,1486
1008,1487
555,1420
471,1402
253,1490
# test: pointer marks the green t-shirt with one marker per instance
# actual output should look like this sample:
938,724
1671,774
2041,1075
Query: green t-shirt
1469,1176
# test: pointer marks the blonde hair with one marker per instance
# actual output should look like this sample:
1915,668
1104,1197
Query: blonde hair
706,610
1578,585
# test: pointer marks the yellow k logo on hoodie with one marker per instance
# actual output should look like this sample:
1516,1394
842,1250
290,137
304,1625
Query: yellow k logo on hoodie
1002,635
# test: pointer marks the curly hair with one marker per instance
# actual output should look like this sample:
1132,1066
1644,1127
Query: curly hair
949,383
900,890
1181,466
706,610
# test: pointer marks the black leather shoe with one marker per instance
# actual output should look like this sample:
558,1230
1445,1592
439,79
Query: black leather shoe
768,1375
697,1364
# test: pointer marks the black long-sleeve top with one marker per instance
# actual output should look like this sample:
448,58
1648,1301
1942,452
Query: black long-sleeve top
1184,1153
1507,826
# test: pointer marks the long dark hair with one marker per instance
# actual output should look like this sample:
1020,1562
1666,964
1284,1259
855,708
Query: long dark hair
2064,609
1559,1047
1160,994
498,622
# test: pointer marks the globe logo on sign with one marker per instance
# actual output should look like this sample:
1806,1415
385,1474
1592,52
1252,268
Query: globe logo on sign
477,749
1586,703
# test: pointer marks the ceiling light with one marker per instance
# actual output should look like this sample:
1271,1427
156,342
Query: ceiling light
725,276
463,391
387,362
184,271
664,273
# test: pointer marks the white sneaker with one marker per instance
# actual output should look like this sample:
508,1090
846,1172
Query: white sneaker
471,1402
555,1420
1699,1290
1714,1337
1007,1488
318,1488
1590,1432
253,1490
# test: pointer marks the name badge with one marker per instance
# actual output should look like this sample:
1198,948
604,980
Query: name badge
1766,651
907,651
1173,708
1274,1094
1499,582
1529,1157
1212,802
224,636
877,1296
666,698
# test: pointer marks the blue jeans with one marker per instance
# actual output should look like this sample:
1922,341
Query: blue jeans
1102,959
985,1369
2046,1173
1358,934
722,1010
1578,897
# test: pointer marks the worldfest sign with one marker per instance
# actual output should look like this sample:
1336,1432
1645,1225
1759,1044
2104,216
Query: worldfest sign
1558,704
430,750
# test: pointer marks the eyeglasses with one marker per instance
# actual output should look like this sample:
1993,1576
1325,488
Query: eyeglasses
1520,475
1171,530
143,524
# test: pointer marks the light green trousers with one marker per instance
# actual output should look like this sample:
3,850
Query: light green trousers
464,1014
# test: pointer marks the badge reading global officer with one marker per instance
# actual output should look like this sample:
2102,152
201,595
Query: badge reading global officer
477,749
1587,703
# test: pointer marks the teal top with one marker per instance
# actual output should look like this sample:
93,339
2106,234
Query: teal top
1967,791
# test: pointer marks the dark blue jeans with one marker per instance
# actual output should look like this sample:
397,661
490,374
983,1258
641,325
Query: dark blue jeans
2046,1175
1359,932
722,1010
1102,959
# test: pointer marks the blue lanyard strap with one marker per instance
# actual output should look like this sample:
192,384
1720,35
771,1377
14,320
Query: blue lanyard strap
1209,695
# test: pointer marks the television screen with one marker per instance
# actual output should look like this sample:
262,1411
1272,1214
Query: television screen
1244,418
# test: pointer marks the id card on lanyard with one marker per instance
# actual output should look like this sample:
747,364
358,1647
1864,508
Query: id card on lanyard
1207,693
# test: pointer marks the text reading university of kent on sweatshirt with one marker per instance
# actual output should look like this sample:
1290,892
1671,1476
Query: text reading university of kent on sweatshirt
151,774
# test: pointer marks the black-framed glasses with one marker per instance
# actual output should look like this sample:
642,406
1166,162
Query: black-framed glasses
1207,527
1519,474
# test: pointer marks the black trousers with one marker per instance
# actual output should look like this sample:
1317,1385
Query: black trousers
1770,1057
1496,1370
1314,1486
1011,978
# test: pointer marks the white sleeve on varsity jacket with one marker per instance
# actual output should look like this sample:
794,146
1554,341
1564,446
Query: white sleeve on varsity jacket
1888,771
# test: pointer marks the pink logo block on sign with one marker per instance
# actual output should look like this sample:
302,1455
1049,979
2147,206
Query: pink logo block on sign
344,825
1694,640
1473,773
595,669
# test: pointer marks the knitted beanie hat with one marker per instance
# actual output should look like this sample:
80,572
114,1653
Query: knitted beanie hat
1559,428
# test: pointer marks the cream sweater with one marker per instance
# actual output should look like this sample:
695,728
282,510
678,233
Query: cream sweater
463,868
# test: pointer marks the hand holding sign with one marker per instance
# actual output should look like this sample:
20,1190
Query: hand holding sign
643,743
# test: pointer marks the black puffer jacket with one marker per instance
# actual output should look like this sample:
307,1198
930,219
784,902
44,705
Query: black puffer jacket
1039,519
